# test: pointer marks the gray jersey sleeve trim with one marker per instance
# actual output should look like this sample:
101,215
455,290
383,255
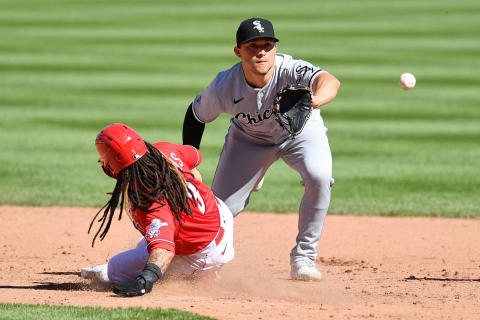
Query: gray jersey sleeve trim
314,76
195,115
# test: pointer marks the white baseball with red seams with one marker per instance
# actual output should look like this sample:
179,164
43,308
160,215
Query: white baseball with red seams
407,81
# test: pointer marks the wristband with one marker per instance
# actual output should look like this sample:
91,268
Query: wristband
151,273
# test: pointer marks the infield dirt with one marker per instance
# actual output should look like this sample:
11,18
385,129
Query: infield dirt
373,267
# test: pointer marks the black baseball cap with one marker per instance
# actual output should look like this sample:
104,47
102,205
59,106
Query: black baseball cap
255,28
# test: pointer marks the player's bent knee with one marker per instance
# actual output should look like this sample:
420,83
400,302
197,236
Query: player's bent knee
236,209
235,206
126,265
319,181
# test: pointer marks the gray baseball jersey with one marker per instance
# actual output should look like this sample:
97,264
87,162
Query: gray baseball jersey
251,107
255,140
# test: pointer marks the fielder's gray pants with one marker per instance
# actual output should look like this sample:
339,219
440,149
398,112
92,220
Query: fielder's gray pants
245,159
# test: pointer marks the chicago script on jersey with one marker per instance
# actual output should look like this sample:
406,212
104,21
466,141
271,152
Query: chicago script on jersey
259,117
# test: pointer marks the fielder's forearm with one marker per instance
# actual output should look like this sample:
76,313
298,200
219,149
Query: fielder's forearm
325,88
192,129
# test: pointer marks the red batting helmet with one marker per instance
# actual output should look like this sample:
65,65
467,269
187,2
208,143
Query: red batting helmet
118,146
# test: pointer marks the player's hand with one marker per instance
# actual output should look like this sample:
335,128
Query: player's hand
140,285
196,174
133,288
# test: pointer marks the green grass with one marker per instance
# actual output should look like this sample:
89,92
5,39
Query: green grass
44,312
68,68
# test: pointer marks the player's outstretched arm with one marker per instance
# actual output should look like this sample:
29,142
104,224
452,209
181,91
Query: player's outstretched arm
324,88
156,265
192,129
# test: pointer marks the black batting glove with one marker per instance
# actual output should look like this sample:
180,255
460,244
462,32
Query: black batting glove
141,285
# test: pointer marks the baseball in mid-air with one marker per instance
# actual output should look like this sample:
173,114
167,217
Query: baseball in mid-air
407,81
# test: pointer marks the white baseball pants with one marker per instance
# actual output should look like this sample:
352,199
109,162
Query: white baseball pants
127,265
245,159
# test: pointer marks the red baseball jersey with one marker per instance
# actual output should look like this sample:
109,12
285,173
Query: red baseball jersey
160,227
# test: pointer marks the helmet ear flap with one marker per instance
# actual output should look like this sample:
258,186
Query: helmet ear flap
108,170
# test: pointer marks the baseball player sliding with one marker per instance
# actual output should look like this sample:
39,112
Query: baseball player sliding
255,140
186,229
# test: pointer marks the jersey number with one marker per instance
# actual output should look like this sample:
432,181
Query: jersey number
178,161
194,194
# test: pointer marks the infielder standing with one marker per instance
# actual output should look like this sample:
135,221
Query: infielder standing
255,140
186,229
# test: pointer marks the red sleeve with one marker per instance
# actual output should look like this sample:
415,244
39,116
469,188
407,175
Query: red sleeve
193,155
185,157
160,229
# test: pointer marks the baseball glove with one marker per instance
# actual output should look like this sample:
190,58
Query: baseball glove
292,108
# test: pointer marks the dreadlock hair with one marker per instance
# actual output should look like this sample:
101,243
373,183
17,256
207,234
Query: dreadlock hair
151,179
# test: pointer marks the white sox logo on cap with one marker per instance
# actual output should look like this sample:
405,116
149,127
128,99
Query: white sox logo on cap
255,28
258,26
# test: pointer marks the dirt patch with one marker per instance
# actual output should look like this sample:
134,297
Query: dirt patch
374,267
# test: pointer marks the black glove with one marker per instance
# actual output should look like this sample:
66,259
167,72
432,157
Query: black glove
292,108
141,285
